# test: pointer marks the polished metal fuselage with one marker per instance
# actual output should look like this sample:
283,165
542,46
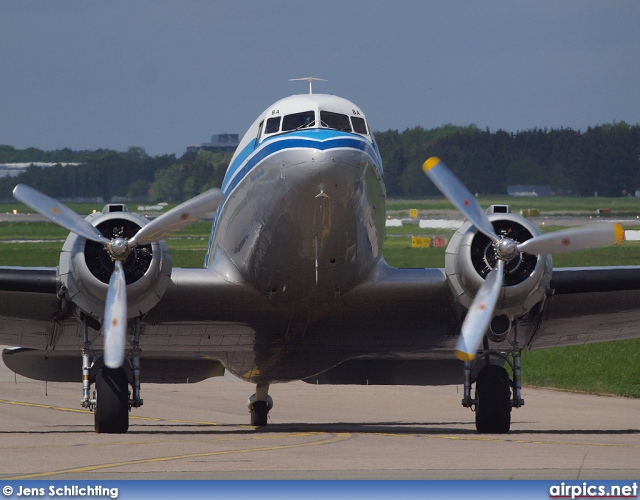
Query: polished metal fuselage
302,227
304,224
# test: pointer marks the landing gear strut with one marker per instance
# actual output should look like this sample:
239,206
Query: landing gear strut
259,405
493,396
88,358
111,400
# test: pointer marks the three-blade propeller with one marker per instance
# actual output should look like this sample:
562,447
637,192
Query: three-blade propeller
119,248
483,307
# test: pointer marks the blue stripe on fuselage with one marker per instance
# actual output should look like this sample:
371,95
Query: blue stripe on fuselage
311,139
320,139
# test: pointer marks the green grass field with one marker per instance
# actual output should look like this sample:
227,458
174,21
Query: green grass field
626,206
609,368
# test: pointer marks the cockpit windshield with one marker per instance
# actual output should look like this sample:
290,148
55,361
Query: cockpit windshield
335,120
342,122
315,118
298,120
359,125
273,125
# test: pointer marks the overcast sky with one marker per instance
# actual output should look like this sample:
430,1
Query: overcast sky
165,74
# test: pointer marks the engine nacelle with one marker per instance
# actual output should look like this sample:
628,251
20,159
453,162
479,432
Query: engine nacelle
85,266
470,256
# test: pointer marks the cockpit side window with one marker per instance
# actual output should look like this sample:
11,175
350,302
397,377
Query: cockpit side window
359,125
298,120
259,130
335,120
273,125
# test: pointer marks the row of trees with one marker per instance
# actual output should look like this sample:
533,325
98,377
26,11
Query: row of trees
111,175
603,159
9,154
193,174
107,175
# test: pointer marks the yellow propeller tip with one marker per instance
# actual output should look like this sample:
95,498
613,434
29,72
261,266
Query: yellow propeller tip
430,163
464,356
619,232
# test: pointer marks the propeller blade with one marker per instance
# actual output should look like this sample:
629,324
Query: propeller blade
571,240
479,315
115,318
57,212
177,218
459,195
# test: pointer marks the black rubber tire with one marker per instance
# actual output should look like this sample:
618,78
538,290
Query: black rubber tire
493,400
259,413
112,405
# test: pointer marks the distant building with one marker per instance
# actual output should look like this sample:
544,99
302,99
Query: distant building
15,169
219,143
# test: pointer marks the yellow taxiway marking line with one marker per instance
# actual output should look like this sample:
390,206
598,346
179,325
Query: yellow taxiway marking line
167,441
336,438
534,441
77,410
509,440
427,436
39,405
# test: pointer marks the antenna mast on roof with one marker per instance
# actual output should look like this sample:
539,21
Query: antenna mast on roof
309,79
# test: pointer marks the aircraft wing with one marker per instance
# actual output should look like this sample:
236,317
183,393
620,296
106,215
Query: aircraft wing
32,315
591,304
27,301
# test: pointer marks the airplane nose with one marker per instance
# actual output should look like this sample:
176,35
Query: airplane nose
326,170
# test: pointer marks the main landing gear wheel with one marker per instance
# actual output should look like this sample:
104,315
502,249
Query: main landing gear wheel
493,400
259,413
112,404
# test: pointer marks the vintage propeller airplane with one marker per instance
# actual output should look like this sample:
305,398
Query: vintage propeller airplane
295,286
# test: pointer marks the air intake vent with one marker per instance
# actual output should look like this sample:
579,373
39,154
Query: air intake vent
499,209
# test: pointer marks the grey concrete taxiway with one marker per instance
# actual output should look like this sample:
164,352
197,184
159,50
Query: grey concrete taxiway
200,431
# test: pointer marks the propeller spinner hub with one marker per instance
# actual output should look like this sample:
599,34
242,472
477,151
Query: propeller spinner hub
506,249
119,248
